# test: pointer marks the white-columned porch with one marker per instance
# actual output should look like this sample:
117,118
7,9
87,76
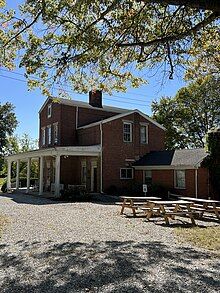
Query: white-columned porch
40,155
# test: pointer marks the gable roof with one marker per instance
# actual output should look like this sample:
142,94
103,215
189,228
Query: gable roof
175,158
75,103
129,112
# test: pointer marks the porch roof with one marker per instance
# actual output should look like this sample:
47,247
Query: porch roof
172,159
93,150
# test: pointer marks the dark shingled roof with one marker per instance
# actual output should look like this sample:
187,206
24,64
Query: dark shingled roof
186,157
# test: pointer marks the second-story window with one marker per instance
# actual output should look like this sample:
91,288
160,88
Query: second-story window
49,134
49,110
144,133
43,135
127,132
55,133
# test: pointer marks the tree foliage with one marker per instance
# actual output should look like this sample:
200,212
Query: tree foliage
190,114
103,44
19,144
8,123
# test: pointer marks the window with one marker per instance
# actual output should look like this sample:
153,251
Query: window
180,179
83,172
49,134
144,133
126,173
127,132
55,133
43,135
147,177
49,110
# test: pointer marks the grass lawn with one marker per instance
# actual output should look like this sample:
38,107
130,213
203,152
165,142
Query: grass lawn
208,238
1,182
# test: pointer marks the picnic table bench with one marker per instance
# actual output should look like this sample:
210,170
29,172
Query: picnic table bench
170,209
203,205
135,202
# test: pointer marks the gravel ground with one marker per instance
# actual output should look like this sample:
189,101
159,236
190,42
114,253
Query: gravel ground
49,246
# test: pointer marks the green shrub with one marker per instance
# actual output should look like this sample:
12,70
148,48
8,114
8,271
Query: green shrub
22,183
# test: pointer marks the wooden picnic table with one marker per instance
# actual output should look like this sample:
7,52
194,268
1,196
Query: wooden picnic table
170,209
204,205
133,202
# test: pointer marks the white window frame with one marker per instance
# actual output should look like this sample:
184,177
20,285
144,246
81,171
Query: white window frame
126,178
55,133
49,110
49,134
83,165
176,183
146,133
130,133
43,135
144,176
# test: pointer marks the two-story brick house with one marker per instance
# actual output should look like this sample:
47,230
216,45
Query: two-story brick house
122,136
101,146
91,144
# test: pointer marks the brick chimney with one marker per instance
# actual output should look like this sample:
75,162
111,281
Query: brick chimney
95,98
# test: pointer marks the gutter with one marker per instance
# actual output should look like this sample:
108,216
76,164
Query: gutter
101,167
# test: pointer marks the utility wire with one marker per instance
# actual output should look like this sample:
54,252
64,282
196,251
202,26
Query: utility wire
122,102
116,96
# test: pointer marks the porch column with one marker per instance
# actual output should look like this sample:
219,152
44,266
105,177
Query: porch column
17,173
41,175
28,174
57,176
9,176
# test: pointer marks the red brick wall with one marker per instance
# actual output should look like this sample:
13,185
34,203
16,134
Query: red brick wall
89,136
45,121
68,126
203,183
115,151
70,170
87,116
166,178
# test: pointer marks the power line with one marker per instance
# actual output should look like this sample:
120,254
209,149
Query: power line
116,96
122,102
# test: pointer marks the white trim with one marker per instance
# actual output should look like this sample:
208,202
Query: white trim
196,183
49,110
94,165
94,150
106,120
81,104
132,173
130,133
43,135
101,159
175,181
147,133
129,112
165,167
17,173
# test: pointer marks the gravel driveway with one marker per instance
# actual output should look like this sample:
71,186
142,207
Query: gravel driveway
49,246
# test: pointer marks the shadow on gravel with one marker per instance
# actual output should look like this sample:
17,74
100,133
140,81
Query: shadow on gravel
107,267
28,199
37,200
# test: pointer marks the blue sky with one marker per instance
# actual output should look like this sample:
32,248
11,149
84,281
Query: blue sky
27,103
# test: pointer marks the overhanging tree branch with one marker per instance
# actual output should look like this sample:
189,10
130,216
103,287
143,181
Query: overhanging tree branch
26,27
176,37
213,5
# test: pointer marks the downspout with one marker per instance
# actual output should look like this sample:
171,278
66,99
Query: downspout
196,182
77,109
101,142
